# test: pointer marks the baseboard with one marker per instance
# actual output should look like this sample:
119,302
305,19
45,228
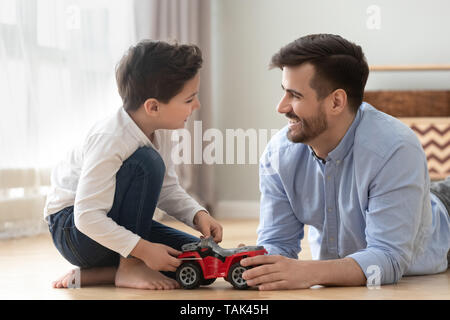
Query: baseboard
237,210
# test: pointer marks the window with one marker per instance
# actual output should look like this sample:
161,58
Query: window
57,59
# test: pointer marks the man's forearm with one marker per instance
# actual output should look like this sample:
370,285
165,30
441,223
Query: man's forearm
275,272
340,272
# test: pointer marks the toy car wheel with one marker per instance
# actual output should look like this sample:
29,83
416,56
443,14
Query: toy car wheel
189,275
235,276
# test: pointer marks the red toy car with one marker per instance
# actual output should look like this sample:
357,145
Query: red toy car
204,261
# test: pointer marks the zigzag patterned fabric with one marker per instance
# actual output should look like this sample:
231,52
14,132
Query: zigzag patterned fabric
434,134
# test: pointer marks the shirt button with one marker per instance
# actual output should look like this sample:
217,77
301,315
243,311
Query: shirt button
328,177
331,239
338,161
329,209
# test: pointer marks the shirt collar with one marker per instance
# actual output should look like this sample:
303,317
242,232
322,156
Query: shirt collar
137,132
344,146
315,156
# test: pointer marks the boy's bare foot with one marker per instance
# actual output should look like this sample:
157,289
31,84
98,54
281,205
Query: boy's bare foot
88,277
134,273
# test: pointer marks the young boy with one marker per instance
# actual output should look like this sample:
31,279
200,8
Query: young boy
103,195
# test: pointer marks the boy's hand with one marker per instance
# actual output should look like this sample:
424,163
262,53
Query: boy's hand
157,256
208,226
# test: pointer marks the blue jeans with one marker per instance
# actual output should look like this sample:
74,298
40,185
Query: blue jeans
442,190
138,185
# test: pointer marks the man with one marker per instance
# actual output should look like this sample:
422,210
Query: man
358,177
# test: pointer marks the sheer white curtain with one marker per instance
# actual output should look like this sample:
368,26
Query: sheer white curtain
57,60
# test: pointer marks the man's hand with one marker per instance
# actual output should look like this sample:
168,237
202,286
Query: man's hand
157,256
276,273
208,226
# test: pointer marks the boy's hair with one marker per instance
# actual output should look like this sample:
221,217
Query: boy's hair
155,69
338,64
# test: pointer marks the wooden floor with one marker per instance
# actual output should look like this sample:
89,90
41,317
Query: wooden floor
28,265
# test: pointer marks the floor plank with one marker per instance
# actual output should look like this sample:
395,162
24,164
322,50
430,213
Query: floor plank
28,265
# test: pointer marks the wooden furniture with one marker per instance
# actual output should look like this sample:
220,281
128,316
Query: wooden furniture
420,67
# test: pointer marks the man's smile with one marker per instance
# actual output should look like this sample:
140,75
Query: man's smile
294,121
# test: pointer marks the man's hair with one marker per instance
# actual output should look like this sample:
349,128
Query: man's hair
155,69
338,64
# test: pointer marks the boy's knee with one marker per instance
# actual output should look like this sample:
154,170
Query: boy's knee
149,160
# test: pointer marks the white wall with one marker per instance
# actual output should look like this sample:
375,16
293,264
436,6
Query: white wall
246,33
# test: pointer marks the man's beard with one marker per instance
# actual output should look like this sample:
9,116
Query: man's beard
308,129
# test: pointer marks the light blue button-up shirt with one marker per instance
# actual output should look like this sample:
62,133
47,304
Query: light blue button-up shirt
369,201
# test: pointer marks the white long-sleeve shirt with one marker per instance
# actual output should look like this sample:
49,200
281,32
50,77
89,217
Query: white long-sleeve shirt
86,179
